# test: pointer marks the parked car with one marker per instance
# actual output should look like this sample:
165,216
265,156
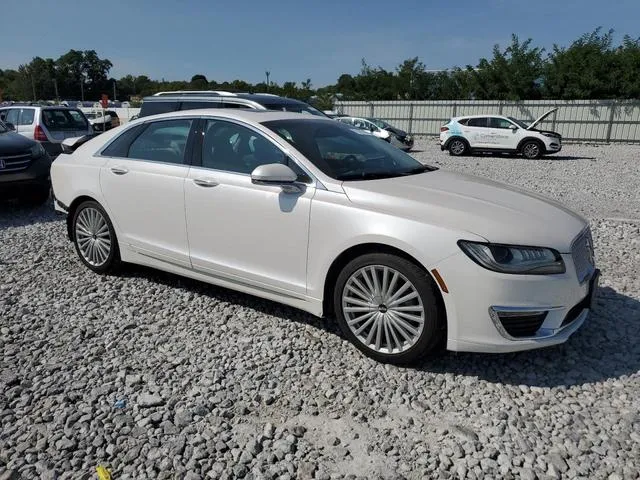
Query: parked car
47,125
367,125
399,138
99,122
314,214
24,167
165,102
498,134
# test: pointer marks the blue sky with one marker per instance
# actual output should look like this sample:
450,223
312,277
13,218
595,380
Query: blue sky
295,40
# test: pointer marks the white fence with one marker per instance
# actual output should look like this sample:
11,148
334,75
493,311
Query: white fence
580,120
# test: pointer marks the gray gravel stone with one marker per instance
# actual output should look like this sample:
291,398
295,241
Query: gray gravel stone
209,373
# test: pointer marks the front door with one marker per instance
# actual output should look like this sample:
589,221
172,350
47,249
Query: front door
143,185
248,233
503,134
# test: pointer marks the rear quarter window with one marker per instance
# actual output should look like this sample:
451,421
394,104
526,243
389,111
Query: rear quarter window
463,121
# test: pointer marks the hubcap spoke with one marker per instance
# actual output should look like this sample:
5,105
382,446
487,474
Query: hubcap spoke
383,309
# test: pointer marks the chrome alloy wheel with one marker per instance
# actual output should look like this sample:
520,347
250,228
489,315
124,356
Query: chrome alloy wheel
531,150
93,236
457,147
383,309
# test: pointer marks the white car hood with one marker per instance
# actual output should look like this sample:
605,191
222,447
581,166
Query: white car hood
495,211
540,118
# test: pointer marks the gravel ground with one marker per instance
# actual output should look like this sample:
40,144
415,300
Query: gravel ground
155,376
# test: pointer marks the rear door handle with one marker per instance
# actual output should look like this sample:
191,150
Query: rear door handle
203,182
119,170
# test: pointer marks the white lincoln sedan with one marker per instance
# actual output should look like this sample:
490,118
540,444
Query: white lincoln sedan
311,213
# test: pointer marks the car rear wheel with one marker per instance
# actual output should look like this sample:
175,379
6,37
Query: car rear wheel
387,307
531,150
95,238
457,147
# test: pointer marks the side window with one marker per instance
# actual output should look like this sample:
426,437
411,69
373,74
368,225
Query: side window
154,108
12,116
463,121
477,122
162,141
495,122
120,146
233,148
27,115
198,105
359,123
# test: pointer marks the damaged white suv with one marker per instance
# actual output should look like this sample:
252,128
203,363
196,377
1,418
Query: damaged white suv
498,134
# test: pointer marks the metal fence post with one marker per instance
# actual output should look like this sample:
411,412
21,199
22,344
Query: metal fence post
500,104
411,118
455,109
371,109
611,115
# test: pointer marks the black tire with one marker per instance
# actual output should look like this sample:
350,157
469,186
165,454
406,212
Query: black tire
434,326
113,261
532,149
458,147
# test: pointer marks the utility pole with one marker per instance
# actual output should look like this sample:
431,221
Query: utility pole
267,74
33,87
114,89
82,88
55,87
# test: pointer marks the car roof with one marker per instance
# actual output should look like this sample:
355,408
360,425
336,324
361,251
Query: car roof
258,116
215,96
497,115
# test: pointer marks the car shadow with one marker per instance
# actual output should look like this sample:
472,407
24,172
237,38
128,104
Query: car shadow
606,347
16,213
545,157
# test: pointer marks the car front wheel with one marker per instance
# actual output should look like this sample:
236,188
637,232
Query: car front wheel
531,150
95,238
387,307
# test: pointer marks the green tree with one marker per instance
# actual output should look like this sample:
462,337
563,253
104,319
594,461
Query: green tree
587,69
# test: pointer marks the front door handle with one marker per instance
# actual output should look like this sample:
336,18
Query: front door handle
203,182
119,170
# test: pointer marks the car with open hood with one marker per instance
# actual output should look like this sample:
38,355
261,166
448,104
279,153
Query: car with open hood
325,217
498,134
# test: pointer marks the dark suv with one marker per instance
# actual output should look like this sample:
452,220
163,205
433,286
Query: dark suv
165,102
24,167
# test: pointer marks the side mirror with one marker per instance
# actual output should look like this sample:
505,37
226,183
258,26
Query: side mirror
513,127
276,174
10,126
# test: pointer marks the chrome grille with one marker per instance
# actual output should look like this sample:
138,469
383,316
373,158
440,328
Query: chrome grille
14,163
582,253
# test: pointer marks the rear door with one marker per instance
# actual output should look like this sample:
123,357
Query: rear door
143,186
63,123
477,132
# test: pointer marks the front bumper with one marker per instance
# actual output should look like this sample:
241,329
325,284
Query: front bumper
476,295
36,175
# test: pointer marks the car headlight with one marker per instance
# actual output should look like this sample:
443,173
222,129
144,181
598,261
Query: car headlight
37,151
513,258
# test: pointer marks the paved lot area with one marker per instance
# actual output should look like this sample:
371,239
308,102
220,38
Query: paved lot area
156,376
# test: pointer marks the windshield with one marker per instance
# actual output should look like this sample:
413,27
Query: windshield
346,153
294,107
519,123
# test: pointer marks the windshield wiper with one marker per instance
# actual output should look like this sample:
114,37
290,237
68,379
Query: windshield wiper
420,169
